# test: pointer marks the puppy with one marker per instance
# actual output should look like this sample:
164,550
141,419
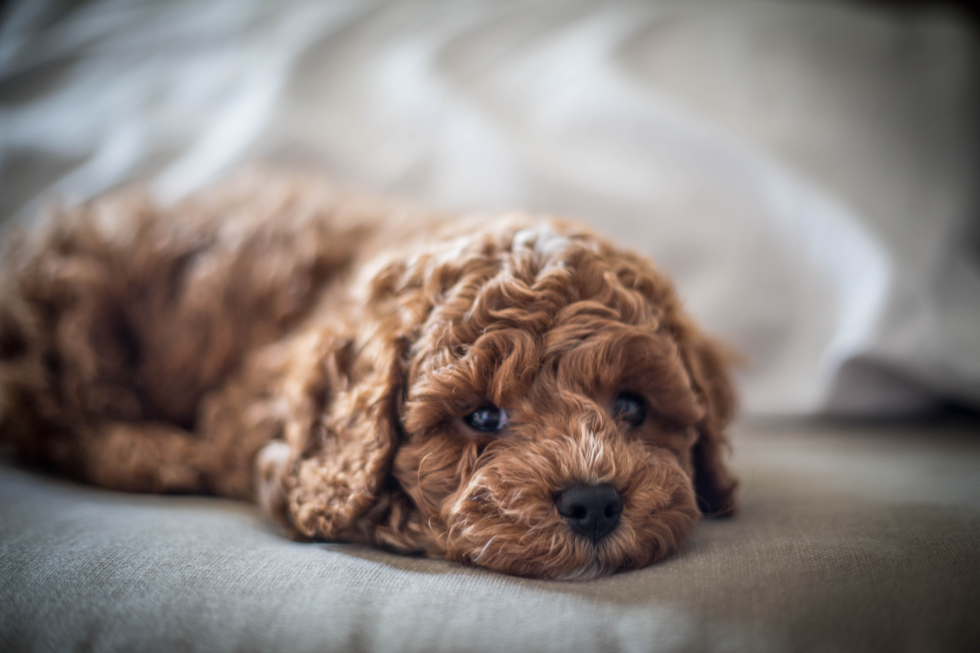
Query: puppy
512,392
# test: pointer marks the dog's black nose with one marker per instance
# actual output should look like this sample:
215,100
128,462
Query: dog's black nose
591,510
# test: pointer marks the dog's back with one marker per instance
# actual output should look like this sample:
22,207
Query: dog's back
120,316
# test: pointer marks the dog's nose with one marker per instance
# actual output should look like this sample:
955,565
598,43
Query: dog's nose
591,510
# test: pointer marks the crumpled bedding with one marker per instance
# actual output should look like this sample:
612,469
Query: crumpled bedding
806,171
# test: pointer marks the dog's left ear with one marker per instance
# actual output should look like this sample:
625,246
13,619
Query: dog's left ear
328,476
714,484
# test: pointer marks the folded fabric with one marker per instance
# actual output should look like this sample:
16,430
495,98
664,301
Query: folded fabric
805,171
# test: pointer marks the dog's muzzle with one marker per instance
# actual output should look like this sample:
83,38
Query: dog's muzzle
591,510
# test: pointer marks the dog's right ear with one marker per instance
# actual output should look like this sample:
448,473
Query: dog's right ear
328,474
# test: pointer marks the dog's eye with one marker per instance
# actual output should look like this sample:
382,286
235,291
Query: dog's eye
487,418
629,408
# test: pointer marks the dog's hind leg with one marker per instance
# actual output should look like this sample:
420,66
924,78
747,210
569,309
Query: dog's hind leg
140,457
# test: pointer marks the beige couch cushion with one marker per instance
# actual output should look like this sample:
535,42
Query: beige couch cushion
849,538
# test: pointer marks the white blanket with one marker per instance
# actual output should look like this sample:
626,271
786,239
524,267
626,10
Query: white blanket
807,172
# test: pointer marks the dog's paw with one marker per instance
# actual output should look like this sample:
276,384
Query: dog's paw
269,467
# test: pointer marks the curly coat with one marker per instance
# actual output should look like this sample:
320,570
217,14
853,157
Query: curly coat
278,340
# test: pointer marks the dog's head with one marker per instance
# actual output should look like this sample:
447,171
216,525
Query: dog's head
524,397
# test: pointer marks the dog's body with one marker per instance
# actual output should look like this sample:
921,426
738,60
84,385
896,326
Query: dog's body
510,392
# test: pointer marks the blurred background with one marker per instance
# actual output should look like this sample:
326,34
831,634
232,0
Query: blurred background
807,172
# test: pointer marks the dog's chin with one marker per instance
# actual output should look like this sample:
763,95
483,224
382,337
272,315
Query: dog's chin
503,523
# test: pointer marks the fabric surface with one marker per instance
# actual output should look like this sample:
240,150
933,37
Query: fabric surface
848,539
806,171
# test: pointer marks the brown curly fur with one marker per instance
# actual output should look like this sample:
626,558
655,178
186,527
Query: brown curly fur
279,340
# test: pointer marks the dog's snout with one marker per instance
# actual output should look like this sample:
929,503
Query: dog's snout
591,510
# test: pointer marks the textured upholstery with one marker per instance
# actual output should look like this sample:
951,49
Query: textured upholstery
849,538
